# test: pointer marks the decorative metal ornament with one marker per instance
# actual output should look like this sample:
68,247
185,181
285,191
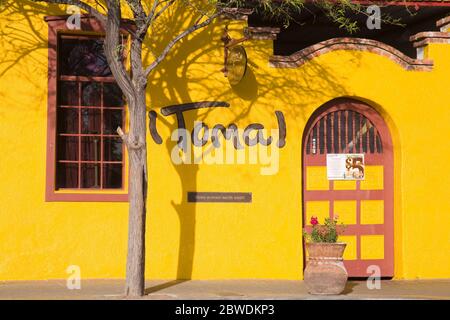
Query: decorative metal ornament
235,58
236,64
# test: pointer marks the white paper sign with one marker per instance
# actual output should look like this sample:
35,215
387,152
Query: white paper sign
345,166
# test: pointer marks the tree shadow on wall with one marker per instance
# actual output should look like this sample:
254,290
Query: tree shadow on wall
190,74
22,40
181,79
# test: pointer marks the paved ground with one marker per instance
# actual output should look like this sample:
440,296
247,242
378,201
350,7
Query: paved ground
225,289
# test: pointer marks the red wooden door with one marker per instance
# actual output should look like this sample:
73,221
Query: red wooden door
366,206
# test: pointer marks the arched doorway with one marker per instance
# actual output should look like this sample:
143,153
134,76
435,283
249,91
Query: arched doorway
351,127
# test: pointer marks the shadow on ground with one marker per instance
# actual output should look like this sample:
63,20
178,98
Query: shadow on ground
162,286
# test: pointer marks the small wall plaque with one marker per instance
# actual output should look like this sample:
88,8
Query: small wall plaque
219,197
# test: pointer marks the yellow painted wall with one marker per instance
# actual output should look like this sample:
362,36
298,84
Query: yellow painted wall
39,240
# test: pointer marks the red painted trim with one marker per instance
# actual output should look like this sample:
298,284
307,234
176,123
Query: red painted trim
345,194
421,39
443,22
357,268
319,159
86,197
56,25
301,57
364,229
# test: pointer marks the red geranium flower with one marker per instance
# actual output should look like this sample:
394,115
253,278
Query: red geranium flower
314,221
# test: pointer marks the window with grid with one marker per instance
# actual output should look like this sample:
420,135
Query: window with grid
90,107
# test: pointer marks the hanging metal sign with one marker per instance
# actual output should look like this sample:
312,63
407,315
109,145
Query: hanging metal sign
236,64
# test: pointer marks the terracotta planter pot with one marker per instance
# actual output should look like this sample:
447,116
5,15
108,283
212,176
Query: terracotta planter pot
325,272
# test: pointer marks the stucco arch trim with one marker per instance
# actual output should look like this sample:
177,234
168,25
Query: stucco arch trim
356,44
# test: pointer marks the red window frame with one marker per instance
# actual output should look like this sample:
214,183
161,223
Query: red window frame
56,27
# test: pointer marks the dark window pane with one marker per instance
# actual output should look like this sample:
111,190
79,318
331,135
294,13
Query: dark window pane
364,130
83,57
336,132
357,130
67,175
67,120
308,144
67,148
90,148
112,95
112,149
112,176
321,136
65,49
372,139
112,118
68,93
342,131
379,145
329,132
314,140
91,94
90,121
350,131
90,175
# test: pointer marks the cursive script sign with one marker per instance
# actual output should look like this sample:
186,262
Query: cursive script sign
229,132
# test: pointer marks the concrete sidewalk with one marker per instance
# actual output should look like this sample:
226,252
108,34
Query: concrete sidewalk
223,289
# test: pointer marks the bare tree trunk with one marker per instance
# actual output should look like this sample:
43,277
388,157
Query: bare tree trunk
135,140
137,189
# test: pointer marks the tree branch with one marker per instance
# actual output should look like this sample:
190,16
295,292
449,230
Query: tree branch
113,45
160,12
182,35
80,4
126,139
150,18
138,11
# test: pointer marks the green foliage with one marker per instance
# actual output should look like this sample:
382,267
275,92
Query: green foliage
341,12
328,232
286,11
281,11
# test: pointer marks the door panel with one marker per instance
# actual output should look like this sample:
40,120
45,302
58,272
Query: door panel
366,207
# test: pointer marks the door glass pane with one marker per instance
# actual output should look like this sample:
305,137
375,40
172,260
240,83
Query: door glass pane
67,175
112,95
90,121
83,57
112,118
91,94
67,148
90,175
112,176
67,120
112,149
90,148
68,93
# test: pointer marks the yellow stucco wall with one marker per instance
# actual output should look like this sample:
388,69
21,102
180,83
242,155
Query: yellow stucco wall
39,240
